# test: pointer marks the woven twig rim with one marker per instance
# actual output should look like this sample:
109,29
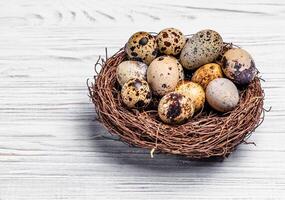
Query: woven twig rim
208,134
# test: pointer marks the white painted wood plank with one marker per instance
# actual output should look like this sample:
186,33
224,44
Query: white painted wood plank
50,145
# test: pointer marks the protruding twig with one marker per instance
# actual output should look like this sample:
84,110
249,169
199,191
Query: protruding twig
267,110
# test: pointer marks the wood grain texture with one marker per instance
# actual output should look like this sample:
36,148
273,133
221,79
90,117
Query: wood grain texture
51,147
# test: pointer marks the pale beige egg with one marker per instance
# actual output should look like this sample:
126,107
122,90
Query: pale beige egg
163,74
222,94
130,69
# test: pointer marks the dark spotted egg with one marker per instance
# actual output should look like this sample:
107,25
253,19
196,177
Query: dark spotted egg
142,47
238,65
202,48
205,74
136,93
170,41
163,74
175,108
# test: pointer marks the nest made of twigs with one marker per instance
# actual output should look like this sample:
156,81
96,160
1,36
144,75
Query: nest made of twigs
208,134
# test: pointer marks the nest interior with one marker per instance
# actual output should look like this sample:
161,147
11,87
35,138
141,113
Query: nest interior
207,134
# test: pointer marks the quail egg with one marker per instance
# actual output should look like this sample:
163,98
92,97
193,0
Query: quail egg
163,74
222,95
170,41
175,108
142,47
194,91
238,65
203,47
130,69
136,93
207,73
181,72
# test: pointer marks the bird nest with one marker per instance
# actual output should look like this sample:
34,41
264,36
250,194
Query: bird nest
207,134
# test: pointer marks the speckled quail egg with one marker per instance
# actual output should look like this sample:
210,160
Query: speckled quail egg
163,74
142,47
238,65
206,74
175,108
203,47
194,91
222,95
130,69
136,93
181,72
170,41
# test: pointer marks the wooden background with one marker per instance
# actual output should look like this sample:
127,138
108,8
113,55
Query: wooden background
50,145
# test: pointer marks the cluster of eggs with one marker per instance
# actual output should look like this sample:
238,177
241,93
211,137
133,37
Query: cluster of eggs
156,68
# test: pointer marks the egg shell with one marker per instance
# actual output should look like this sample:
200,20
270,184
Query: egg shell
194,91
136,93
202,48
127,70
170,41
222,95
163,75
142,47
205,74
238,65
181,72
175,108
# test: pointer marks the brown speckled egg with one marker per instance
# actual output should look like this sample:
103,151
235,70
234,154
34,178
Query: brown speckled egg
222,95
175,108
130,69
203,47
238,65
142,47
163,74
181,72
136,93
194,91
205,74
170,41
